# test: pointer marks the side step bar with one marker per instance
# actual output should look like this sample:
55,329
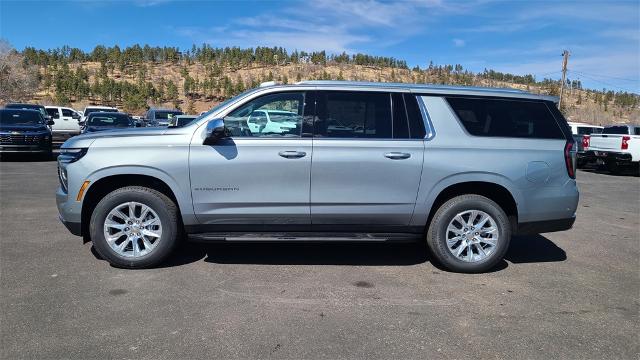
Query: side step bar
305,237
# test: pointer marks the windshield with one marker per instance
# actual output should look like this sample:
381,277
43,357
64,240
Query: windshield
616,130
17,117
110,120
164,115
39,108
92,110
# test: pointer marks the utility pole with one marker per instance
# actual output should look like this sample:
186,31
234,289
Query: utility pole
565,58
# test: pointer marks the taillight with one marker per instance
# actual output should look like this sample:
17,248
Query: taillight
625,142
586,141
570,159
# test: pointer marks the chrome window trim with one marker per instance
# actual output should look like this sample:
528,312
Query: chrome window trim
428,125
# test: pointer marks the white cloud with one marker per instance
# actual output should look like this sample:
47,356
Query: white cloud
459,43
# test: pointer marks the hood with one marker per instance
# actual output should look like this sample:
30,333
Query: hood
24,128
85,139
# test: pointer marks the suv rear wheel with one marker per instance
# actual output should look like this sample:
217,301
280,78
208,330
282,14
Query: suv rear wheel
134,227
469,233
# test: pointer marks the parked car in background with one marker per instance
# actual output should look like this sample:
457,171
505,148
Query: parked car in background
181,120
578,130
24,131
617,147
89,109
24,106
160,117
101,121
462,167
271,121
66,121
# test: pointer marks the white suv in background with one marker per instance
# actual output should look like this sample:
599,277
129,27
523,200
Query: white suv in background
65,121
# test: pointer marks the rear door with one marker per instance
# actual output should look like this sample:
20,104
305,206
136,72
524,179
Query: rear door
367,161
255,180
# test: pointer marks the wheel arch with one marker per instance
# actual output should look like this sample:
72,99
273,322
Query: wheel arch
104,183
494,187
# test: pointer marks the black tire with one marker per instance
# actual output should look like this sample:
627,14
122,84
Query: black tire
164,207
436,234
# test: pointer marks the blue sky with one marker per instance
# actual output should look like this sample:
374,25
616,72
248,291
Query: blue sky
513,36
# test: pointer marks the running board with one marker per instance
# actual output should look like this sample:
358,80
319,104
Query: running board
305,237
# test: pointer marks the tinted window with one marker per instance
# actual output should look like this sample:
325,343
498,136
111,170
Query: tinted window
67,112
416,123
112,120
17,117
616,130
273,115
637,130
164,115
53,112
400,122
353,115
586,130
506,118
92,110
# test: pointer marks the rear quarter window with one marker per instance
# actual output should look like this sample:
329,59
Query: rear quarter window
616,130
506,118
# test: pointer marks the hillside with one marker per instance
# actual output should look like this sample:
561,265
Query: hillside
138,77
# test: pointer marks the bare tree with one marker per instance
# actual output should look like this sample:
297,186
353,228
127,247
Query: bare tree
18,82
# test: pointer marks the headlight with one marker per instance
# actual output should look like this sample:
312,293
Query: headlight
62,176
69,155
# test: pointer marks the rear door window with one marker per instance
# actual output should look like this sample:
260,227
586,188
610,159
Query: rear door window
616,130
353,114
506,118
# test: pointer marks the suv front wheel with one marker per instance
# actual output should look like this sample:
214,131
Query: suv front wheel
469,234
134,227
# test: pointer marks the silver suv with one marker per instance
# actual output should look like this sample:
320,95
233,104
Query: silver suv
462,168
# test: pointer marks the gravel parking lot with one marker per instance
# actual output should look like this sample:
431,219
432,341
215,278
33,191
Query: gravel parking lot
573,294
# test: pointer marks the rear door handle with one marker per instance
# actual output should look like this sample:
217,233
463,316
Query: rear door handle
397,155
292,154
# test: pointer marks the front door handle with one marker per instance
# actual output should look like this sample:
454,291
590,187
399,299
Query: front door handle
397,155
292,154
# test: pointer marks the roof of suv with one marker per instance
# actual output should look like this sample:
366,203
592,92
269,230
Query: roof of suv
422,88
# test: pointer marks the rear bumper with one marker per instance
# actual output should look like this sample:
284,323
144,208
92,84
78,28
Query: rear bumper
546,226
609,156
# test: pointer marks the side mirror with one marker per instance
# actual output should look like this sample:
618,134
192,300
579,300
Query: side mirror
50,122
81,123
215,131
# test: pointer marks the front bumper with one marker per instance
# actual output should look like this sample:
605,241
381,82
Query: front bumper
24,149
74,227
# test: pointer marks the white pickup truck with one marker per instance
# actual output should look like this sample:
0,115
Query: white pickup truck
65,121
617,147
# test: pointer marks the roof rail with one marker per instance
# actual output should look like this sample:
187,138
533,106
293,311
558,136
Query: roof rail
409,85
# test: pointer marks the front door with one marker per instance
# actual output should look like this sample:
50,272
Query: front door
366,163
257,179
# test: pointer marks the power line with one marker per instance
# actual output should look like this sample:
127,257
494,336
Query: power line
606,76
605,83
